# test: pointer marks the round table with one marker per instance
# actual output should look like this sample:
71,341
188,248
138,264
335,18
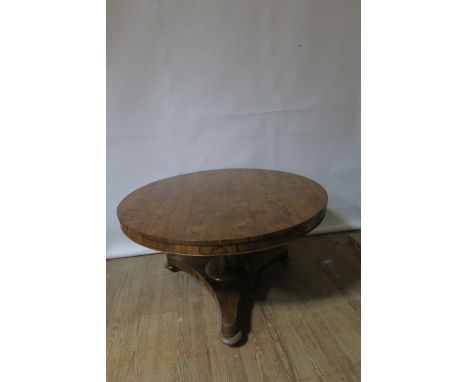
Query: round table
223,226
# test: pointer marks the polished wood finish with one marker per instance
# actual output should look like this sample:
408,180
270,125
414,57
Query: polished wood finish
227,268
228,291
304,320
238,216
221,212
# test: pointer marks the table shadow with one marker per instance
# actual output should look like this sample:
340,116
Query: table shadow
320,266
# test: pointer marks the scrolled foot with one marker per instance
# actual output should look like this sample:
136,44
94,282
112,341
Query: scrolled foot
231,341
169,266
172,268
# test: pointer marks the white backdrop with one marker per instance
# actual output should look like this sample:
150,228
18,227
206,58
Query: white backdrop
219,83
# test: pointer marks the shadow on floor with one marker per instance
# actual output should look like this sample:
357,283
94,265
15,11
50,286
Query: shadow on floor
319,267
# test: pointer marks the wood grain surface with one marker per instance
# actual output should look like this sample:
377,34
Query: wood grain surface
305,322
222,211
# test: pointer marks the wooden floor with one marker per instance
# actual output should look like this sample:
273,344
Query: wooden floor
304,320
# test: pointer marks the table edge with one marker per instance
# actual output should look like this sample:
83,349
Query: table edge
225,247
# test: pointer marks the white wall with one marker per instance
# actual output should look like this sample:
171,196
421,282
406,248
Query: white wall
219,83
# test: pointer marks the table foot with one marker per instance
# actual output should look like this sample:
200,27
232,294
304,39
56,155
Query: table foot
170,267
228,278
231,341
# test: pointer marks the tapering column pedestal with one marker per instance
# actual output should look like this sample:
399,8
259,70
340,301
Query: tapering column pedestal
228,278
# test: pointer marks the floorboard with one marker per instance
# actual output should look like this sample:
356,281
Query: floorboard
304,320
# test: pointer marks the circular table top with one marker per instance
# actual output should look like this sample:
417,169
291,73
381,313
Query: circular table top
219,212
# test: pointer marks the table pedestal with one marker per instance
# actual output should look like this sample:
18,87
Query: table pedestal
228,278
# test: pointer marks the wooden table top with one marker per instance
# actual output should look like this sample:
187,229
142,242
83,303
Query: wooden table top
220,212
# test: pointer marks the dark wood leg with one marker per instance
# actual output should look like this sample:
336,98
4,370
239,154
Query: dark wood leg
168,265
228,299
228,278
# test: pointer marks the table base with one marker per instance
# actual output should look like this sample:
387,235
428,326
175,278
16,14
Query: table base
228,278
